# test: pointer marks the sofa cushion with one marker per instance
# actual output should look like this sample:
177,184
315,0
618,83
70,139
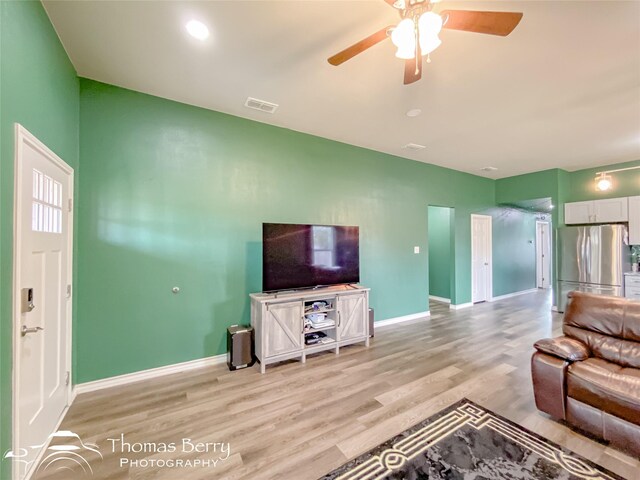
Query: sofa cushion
623,352
608,326
611,316
607,386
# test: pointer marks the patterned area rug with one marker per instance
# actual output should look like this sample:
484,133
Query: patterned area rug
466,441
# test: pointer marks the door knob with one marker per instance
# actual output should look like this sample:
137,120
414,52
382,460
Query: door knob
25,330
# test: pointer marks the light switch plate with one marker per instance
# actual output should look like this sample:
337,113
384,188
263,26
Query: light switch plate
416,249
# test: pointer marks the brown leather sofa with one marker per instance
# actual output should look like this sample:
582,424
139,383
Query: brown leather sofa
590,377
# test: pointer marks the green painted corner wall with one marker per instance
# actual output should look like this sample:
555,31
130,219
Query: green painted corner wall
174,195
514,250
38,89
562,187
440,246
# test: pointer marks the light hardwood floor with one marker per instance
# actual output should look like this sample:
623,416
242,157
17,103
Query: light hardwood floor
299,421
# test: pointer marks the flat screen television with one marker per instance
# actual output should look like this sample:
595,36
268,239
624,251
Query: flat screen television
302,256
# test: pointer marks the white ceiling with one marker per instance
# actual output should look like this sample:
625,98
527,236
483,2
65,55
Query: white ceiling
563,90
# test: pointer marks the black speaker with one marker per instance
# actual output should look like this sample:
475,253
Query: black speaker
240,352
371,322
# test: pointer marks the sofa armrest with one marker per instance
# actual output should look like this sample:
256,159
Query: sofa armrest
566,348
548,373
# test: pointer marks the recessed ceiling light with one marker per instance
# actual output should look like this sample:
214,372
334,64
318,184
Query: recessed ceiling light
414,112
488,169
197,29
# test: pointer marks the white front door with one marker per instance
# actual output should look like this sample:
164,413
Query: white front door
543,254
42,297
481,259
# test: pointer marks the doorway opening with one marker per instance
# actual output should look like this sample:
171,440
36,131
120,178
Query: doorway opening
440,225
543,254
481,258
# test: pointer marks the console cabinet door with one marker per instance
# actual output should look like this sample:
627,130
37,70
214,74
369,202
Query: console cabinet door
353,316
282,328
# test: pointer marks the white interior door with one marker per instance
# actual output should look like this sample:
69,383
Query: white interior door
543,254
42,297
481,258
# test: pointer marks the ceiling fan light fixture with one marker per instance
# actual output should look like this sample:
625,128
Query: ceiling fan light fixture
428,43
430,23
404,38
406,53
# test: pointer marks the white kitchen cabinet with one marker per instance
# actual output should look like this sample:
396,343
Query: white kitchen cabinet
609,210
632,286
634,220
578,212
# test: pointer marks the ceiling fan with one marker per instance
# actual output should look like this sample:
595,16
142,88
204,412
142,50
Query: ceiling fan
417,33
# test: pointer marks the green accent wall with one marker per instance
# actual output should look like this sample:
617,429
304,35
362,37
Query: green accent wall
38,89
174,195
514,250
440,245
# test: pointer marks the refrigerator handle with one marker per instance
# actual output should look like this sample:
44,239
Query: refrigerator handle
587,257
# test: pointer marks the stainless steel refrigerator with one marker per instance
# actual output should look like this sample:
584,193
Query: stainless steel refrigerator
592,259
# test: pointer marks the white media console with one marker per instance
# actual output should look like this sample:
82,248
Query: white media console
278,320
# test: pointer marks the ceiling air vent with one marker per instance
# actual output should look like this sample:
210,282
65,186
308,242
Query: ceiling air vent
261,105
414,146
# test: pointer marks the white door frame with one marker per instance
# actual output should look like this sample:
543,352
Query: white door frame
539,224
490,286
22,138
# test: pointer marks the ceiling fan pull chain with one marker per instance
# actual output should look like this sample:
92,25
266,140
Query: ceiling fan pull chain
428,58
417,51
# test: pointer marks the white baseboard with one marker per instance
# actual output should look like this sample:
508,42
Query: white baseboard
147,374
405,318
440,299
514,294
460,306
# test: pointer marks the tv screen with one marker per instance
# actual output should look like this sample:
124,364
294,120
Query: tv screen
299,256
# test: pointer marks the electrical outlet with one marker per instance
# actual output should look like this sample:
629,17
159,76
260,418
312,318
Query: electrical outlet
416,249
